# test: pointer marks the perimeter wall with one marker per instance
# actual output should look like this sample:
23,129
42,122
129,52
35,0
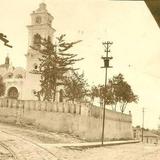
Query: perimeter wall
82,120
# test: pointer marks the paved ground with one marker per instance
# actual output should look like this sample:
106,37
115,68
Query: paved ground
30,144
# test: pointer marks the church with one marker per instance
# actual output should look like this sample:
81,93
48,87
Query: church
22,83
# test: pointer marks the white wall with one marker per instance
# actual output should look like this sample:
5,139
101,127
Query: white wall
82,120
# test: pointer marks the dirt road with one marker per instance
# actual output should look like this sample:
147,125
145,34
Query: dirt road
24,147
120,152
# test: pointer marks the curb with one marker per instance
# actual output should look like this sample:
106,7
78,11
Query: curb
90,144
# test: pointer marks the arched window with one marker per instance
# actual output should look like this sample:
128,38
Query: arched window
10,75
38,19
37,41
35,66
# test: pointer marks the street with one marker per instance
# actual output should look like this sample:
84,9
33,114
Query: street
24,141
120,152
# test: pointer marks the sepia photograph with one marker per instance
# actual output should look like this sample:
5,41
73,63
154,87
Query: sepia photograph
79,80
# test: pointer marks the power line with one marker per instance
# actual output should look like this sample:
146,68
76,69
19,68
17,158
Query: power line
142,122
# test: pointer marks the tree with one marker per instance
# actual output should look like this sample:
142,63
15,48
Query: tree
94,93
102,93
97,92
116,93
54,65
122,91
138,126
76,87
2,86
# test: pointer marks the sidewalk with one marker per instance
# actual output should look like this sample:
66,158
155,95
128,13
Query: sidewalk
90,144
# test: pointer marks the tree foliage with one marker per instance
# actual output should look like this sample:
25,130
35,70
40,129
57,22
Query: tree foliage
117,92
123,93
76,87
94,92
101,92
54,65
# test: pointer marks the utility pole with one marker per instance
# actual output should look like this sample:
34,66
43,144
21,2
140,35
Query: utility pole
142,122
106,66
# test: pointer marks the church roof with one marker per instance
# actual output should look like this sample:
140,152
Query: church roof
149,134
19,70
4,66
42,9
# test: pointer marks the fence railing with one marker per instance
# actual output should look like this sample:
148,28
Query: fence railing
84,109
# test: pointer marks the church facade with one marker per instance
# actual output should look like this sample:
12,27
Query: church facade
22,83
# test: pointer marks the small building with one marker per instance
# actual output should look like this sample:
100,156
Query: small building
148,136
137,133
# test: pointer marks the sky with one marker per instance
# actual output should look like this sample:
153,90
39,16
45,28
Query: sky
129,25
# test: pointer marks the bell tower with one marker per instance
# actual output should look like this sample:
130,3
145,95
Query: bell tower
41,27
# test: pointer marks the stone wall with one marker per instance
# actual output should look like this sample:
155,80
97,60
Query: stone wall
83,120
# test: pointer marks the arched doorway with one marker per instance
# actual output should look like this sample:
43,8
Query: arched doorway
13,93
